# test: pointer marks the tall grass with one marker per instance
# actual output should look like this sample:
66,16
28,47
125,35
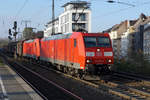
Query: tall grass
1,62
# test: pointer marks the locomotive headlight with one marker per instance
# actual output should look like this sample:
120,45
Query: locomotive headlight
109,61
88,61
98,50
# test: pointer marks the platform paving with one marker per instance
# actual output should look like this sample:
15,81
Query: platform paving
13,87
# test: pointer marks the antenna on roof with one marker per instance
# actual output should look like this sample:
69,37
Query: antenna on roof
53,17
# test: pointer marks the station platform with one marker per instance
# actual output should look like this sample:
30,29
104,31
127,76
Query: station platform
13,87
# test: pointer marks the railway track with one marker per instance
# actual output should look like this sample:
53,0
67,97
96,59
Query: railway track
81,90
38,82
131,75
138,89
119,88
140,83
139,80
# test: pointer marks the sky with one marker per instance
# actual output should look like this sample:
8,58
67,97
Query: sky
38,12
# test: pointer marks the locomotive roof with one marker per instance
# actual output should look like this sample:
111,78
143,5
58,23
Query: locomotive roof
55,37
67,35
95,34
29,41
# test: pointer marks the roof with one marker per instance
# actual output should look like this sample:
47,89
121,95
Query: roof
147,20
76,2
53,21
132,22
115,27
140,21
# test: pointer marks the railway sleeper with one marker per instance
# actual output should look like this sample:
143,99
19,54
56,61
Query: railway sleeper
140,92
122,95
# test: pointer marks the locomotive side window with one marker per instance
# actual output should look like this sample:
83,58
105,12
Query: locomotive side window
75,42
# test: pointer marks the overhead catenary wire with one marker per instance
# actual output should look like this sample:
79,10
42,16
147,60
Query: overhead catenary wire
22,7
19,12
123,9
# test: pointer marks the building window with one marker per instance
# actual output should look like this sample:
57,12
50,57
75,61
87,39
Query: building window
56,30
61,29
76,26
82,25
67,17
67,27
61,19
64,29
82,16
73,16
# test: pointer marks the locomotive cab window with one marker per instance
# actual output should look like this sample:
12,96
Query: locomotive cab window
91,41
75,42
103,42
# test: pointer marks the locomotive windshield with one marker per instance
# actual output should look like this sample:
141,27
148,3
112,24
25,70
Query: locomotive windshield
91,41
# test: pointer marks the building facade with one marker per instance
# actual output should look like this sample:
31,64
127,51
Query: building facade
76,15
131,37
121,36
113,36
124,44
127,43
146,41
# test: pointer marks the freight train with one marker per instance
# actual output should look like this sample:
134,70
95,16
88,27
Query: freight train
75,53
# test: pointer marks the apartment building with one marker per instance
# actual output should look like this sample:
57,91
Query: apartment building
146,39
121,36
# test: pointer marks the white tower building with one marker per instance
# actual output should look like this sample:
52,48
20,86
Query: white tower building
76,15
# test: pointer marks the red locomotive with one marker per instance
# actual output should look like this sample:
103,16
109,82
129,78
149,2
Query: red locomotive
31,49
76,53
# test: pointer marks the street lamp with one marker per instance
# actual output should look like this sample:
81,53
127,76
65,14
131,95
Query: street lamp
124,3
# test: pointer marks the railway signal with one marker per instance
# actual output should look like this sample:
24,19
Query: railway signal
15,29
15,25
15,33
10,38
9,31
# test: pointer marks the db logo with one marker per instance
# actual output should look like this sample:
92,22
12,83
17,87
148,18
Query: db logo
98,54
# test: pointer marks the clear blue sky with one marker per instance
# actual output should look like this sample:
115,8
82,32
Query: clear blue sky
104,15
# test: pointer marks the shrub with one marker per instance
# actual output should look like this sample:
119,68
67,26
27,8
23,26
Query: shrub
136,65
1,62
